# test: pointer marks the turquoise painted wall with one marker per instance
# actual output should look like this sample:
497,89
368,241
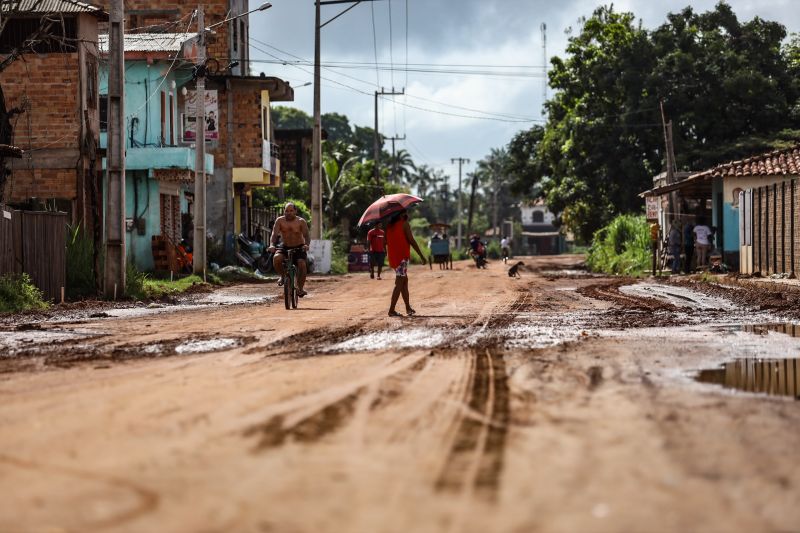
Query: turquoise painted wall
145,152
141,201
731,220
144,85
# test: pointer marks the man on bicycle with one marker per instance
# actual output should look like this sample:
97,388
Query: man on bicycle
293,233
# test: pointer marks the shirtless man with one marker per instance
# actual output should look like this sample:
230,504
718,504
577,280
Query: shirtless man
293,232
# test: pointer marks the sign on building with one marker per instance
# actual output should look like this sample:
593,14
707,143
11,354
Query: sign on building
190,115
652,207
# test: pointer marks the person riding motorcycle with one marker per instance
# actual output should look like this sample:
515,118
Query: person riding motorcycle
477,250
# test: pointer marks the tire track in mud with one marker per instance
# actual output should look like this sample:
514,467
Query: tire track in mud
609,291
329,418
476,455
274,432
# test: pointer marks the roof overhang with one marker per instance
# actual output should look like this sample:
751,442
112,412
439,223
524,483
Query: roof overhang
27,8
279,90
696,186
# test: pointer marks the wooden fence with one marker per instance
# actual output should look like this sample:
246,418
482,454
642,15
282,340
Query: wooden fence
775,228
34,242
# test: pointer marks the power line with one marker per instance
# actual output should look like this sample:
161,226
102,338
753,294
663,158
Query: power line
375,45
497,116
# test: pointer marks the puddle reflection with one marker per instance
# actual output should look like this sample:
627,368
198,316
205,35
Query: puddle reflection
776,377
762,329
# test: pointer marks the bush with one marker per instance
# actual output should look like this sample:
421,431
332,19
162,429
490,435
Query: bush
493,250
18,293
80,264
415,259
135,282
621,247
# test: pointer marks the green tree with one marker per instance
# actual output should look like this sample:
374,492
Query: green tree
403,165
286,118
727,86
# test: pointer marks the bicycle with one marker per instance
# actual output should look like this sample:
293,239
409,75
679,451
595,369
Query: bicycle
290,297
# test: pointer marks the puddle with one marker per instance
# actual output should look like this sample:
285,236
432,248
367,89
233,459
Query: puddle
787,328
677,296
775,377
208,345
13,341
410,338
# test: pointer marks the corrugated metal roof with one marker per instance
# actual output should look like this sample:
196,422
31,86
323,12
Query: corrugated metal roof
48,6
149,42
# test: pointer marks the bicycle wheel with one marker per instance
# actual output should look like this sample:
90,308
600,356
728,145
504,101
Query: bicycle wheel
287,291
294,292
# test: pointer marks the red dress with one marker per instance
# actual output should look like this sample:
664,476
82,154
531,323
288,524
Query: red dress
399,247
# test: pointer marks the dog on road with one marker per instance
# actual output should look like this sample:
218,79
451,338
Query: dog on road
513,272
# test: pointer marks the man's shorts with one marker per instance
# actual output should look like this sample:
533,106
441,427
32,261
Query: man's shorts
300,252
377,258
402,269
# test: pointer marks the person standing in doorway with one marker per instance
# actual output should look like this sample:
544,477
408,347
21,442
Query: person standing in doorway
688,246
400,240
674,239
702,244
377,249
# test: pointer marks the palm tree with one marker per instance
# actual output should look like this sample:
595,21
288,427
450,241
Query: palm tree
421,180
403,165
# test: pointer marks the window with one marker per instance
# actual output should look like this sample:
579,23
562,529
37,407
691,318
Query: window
171,119
163,118
103,112
170,216
235,36
538,217
91,83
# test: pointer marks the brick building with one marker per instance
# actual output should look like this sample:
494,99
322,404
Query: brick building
242,146
295,150
53,84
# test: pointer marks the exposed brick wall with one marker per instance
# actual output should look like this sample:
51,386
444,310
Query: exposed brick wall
247,128
50,83
246,141
42,183
159,13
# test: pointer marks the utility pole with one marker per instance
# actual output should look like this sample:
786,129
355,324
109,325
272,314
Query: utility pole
394,156
114,269
473,187
377,147
199,248
544,63
461,161
316,138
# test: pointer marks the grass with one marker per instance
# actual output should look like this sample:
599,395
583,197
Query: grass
141,286
18,293
622,247
156,288
80,263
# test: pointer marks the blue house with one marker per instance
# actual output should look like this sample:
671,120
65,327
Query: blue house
159,166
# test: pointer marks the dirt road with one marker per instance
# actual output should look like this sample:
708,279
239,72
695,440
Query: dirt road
554,402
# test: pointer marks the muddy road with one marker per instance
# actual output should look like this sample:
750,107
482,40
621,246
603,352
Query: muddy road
555,402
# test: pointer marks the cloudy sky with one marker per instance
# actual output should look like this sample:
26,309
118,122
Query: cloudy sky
490,51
